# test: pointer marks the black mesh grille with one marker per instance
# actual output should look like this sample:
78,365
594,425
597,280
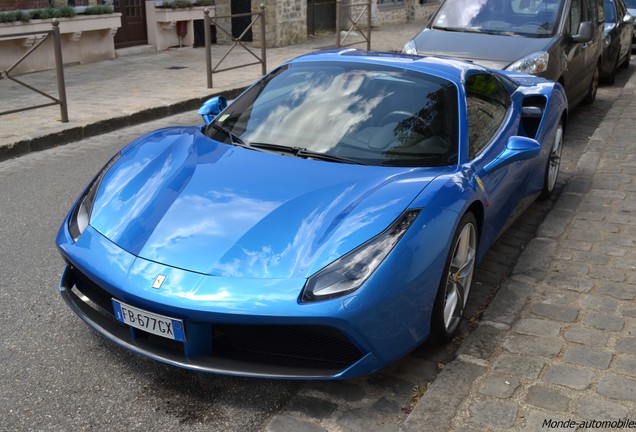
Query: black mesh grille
93,292
302,343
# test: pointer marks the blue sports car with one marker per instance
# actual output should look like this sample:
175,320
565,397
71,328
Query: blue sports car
320,226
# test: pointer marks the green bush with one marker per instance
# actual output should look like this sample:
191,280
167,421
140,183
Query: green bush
8,17
98,10
65,12
177,4
53,12
42,13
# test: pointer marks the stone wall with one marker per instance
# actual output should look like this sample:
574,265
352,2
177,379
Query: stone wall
412,10
223,8
286,20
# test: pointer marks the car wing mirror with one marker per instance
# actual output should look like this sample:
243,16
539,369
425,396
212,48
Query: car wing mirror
517,148
629,19
585,34
211,108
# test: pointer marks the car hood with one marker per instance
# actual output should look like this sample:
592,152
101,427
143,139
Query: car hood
178,198
478,47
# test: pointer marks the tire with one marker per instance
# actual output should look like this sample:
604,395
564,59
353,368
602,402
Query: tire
457,278
628,60
591,94
610,78
554,164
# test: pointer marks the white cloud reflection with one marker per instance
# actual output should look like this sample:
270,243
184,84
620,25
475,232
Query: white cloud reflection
317,116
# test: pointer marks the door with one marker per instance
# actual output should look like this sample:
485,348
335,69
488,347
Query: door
133,23
487,108
321,16
239,24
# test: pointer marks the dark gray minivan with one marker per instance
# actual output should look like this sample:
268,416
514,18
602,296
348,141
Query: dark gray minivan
557,39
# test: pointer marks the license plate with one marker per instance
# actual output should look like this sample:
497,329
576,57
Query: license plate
159,325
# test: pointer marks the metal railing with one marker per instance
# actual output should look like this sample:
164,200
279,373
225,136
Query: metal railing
59,71
364,7
255,16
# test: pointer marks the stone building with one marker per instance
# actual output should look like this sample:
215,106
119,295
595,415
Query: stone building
291,21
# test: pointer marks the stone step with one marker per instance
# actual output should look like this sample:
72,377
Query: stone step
135,50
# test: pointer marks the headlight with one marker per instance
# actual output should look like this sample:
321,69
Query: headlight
81,215
349,272
533,64
410,48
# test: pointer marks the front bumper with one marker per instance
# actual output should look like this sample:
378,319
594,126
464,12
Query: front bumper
273,351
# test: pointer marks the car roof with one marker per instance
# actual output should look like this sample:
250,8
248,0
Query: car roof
448,68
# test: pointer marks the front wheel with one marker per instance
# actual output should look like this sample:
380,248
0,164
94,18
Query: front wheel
456,281
554,163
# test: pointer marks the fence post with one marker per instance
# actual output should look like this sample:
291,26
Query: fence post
207,37
369,25
59,70
263,41
338,23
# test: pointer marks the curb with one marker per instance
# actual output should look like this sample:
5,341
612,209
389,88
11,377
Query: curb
77,133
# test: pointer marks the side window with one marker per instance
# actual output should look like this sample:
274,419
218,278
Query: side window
621,11
592,10
576,12
598,11
487,103
610,16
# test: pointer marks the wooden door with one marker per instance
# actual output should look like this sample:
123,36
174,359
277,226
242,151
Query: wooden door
133,23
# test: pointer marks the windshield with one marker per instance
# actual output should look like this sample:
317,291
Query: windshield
630,4
348,112
533,18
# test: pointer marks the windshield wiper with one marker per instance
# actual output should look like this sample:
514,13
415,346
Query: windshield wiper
275,147
457,29
476,30
326,157
303,153
233,138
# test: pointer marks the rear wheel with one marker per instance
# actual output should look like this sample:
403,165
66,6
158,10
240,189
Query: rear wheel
456,281
610,79
591,94
554,163
628,60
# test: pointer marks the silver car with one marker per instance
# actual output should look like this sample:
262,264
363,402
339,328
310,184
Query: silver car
631,9
558,39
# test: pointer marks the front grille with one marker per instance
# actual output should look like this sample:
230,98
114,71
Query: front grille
301,343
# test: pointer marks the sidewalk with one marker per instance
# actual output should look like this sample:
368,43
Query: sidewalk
556,348
111,94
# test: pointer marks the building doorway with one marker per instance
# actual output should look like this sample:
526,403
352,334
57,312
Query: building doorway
239,24
321,16
133,23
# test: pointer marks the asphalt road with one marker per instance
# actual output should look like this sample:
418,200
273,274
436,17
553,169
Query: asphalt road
56,374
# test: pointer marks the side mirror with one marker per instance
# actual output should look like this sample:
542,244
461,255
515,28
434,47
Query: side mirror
517,148
211,108
585,34
628,19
